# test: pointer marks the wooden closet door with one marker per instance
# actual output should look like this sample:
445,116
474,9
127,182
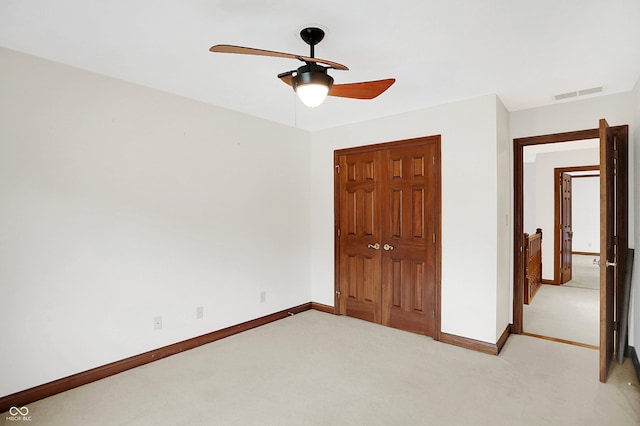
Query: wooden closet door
359,218
387,223
409,238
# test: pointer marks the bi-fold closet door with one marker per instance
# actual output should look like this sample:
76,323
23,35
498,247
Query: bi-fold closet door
387,226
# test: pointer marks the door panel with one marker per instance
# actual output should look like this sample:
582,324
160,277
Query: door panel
408,257
624,258
359,264
566,245
613,236
607,249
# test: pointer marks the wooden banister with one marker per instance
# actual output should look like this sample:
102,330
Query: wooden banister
533,264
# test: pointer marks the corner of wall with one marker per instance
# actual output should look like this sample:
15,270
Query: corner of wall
503,216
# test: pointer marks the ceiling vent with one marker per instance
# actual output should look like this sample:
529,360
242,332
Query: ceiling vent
566,95
590,91
582,92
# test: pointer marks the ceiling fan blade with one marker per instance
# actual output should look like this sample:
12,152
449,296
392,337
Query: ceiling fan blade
286,77
227,48
363,90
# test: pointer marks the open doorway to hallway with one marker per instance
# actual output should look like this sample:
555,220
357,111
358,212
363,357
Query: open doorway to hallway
567,305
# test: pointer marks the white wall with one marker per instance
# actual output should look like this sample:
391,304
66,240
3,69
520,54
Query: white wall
119,203
471,209
634,321
585,218
529,198
545,200
583,114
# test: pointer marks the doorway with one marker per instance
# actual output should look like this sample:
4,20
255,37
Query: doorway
387,219
564,217
613,227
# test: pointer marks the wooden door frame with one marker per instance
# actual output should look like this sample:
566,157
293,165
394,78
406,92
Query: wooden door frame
557,211
438,217
518,210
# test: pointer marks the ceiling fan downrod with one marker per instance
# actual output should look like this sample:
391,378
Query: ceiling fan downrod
312,36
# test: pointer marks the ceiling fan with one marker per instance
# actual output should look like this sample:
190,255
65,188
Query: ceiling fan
311,81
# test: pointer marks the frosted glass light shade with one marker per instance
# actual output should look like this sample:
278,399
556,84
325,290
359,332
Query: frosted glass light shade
312,94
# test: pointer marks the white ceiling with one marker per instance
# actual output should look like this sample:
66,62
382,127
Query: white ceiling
525,51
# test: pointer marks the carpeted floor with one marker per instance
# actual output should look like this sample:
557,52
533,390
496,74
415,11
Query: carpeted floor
584,274
320,369
570,311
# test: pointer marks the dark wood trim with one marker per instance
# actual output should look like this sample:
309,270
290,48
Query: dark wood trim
518,236
336,235
384,145
467,343
631,353
323,308
437,326
36,393
548,282
503,338
555,339
518,207
559,137
586,253
584,176
579,169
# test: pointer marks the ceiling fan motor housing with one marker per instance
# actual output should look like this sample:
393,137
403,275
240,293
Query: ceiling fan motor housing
312,74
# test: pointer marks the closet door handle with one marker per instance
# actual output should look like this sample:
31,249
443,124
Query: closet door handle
375,246
387,247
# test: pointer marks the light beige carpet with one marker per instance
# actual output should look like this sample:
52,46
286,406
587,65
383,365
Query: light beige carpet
563,312
320,369
570,311
584,273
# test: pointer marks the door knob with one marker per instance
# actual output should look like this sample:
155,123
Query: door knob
607,263
387,247
375,246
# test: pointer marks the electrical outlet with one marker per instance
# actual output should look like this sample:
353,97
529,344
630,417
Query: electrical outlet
157,323
263,296
199,312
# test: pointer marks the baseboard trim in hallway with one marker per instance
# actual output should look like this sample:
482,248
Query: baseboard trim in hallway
555,339
36,393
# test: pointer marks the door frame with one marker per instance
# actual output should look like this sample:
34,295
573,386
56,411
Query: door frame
438,217
607,310
557,235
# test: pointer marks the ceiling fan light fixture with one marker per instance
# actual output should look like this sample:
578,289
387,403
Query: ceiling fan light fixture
312,84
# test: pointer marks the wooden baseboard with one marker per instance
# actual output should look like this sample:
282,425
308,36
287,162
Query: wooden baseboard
586,253
631,353
36,393
323,308
549,282
477,345
555,339
503,338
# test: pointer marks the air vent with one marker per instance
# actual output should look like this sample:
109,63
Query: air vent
590,91
566,95
582,92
